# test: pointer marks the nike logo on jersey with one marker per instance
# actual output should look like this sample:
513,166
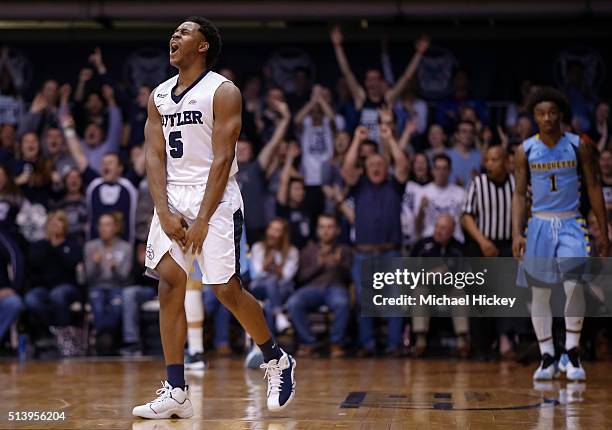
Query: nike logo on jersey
182,118
161,96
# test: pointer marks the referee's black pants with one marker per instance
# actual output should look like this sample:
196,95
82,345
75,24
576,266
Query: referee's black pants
484,334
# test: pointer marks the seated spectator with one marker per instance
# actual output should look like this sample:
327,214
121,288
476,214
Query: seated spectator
440,244
108,266
438,197
143,289
52,266
466,159
324,271
378,199
274,263
291,204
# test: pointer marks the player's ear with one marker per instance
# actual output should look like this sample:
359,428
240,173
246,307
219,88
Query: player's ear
204,47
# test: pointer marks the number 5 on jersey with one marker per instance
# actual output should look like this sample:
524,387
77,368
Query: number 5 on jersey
176,146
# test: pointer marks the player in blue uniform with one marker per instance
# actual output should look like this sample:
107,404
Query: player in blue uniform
556,165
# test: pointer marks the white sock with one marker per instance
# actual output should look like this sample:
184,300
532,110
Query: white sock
574,311
195,340
541,318
194,311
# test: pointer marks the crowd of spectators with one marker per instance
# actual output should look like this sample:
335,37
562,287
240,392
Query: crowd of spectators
329,179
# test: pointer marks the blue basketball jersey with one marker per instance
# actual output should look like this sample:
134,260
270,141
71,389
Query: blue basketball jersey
554,173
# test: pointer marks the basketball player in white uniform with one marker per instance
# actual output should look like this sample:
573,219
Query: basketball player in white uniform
193,124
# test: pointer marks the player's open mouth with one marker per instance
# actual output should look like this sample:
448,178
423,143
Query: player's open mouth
174,47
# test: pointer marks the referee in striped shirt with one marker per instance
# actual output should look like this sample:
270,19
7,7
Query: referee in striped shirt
487,214
487,220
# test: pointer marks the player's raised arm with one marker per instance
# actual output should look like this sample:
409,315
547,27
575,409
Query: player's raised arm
519,203
155,159
227,109
590,170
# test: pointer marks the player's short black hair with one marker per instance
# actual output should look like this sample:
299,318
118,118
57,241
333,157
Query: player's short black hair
549,94
212,36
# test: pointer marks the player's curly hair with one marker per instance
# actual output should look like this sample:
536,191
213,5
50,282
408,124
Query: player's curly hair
549,94
212,36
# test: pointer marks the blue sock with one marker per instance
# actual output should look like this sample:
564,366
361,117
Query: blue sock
176,375
270,350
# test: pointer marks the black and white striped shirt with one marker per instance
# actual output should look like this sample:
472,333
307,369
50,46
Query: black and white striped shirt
491,206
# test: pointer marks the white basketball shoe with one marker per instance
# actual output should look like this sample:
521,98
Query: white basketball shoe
170,403
281,381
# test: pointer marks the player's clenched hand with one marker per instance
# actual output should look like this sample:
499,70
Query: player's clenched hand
194,238
174,226
518,247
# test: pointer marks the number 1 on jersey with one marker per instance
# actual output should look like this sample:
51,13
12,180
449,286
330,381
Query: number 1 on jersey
553,182
176,146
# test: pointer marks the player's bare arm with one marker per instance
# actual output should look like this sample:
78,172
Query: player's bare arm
227,108
590,171
519,203
155,159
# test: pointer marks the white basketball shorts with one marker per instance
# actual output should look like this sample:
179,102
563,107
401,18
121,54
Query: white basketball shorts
220,257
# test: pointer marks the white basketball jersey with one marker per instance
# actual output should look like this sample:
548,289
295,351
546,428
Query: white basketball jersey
187,121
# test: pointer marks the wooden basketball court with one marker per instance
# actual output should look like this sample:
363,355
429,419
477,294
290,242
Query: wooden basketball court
345,394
